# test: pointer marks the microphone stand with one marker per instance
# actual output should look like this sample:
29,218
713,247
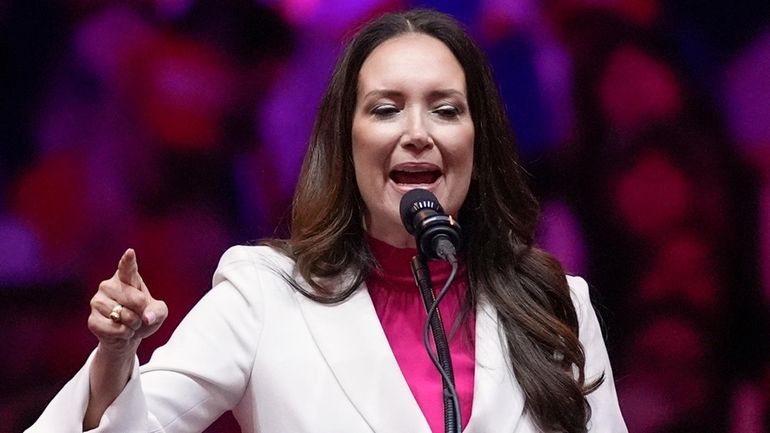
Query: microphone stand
452,420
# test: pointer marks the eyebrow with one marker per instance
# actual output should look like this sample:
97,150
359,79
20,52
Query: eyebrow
439,93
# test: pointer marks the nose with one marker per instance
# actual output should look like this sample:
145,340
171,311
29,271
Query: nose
416,134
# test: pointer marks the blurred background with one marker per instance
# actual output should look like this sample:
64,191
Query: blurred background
177,127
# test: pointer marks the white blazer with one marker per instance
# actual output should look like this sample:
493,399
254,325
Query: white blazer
286,364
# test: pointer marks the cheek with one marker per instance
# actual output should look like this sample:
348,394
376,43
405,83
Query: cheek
465,153
367,161
460,160
361,149
370,141
458,145
370,158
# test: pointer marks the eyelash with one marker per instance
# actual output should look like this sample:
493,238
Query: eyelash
444,111
384,111
448,111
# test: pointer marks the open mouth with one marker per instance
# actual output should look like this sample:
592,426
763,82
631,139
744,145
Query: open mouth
426,177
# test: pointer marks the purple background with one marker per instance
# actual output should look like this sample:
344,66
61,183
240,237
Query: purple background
177,127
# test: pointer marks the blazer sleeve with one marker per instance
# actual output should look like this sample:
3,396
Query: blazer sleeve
605,411
200,373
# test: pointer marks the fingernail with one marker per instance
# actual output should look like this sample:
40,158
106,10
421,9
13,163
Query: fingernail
150,317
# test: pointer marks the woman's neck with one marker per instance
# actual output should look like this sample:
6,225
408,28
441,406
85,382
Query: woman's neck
395,236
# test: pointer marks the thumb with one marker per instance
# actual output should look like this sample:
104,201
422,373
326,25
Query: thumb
155,312
128,269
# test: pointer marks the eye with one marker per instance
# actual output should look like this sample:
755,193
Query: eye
447,111
384,110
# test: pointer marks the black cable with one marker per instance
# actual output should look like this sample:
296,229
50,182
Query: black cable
442,358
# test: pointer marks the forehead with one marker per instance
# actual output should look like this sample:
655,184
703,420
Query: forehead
411,59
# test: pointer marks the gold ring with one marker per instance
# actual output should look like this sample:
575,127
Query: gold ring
115,313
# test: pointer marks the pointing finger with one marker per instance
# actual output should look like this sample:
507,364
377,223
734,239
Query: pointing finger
128,269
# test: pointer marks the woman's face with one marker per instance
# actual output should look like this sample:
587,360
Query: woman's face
411,129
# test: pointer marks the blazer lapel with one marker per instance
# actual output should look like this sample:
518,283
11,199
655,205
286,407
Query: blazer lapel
352,342
498,402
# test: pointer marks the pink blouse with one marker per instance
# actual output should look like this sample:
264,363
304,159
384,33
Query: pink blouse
402,315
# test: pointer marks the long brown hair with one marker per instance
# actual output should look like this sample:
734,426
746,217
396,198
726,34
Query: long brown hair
526,285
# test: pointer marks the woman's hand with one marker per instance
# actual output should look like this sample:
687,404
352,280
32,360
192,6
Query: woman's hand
122,313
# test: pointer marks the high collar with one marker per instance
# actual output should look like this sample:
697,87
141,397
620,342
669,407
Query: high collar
395,269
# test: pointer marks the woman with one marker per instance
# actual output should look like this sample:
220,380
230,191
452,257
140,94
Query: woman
305,334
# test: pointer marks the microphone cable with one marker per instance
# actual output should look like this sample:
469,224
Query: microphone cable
441,357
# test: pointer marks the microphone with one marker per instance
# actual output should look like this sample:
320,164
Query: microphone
438,235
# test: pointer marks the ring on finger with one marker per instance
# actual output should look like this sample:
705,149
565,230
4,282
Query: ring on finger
115,313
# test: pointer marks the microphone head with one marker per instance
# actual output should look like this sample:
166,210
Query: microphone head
415,201
424,218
